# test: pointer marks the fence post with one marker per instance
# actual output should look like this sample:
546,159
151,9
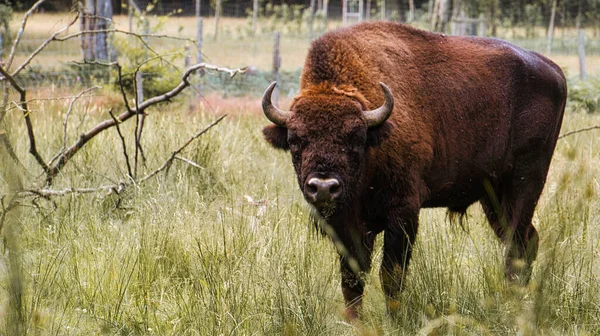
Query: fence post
551,28
199,43
276,65
254,15
217,16
581,49
482,25
311,19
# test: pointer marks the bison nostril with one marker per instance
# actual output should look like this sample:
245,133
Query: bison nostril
311,188
334,189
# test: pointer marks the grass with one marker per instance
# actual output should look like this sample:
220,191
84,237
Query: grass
229,248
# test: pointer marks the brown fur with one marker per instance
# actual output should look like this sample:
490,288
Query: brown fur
467,110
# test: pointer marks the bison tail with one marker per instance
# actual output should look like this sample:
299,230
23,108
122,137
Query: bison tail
457,215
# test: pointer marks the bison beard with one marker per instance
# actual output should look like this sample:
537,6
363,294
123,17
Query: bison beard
391,119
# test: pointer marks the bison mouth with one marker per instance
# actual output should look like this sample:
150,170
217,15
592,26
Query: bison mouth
325,209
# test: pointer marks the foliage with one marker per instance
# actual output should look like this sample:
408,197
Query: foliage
584,95
158,72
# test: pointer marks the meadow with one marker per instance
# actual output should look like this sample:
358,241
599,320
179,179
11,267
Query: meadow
227,247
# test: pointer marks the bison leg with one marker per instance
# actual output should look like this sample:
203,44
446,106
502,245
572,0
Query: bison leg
355,261
399,238
510,211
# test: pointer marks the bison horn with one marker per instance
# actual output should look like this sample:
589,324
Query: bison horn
277,116
377,116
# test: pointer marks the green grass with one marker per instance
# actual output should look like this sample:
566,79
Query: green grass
229,249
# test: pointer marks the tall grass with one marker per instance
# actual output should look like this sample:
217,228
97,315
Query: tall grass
229,248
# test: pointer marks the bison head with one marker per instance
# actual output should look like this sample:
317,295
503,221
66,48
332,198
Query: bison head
328,135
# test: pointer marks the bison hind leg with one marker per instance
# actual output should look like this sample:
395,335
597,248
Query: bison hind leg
509,209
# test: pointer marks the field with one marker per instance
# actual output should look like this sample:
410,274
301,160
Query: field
227,248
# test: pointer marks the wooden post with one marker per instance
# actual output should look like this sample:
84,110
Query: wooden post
276,65
139,77
581,49
482,26
368,11
87,22
411,10
199,43
199,35
254,16
551,28
217,16
383,10
325,5
104,13
311,19
344,12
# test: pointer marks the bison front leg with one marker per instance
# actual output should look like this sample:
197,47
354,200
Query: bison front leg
399,239
355,251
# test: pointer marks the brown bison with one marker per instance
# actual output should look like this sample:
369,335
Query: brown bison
391,119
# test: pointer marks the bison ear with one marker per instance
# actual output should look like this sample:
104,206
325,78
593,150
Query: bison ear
377,135
276,136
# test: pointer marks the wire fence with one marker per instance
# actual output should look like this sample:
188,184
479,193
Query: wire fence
236,40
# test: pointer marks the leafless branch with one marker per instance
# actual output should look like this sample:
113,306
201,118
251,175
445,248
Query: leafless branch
66,121
125,32
49,99
139,94
26,113
169,161
53,37
117,188
188,161
21,31
122,143
579,131
52,171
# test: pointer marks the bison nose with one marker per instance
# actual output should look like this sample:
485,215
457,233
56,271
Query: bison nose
321,190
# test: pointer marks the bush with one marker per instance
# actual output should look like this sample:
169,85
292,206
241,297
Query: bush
584,95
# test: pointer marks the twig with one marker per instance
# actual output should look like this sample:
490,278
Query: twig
123,143
21,31
169,161
190,162
125,32
579,131
24,107
139,95
138,140
49,99
117,188
66,121
52,171
53,37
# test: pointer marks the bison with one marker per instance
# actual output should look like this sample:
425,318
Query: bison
391,119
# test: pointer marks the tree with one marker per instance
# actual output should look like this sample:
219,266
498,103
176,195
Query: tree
96,16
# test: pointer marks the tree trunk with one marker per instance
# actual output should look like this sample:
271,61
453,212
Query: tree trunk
104,12
97,15
411,10
87,23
